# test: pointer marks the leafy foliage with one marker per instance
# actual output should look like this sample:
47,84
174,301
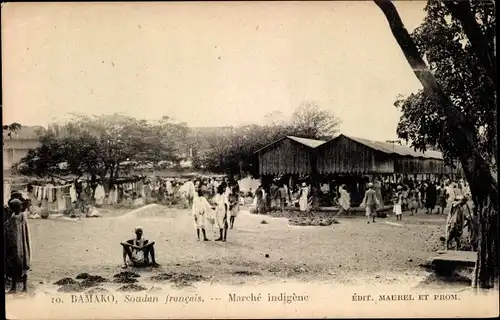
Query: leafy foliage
8,129
313,122
101,146
457,68
232,151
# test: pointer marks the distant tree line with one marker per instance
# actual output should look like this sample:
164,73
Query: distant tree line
109,146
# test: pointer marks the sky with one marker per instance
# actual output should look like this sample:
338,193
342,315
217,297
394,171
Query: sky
208,64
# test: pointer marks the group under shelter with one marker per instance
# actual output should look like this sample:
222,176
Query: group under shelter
346,160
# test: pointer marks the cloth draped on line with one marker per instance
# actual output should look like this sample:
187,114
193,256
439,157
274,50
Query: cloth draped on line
99,194
50,193
169,188
72,193
6,193
113,197
17,245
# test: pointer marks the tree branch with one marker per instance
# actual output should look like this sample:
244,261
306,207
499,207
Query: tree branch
462,11
460,128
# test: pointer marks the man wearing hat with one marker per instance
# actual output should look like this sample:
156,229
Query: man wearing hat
17,245
370,201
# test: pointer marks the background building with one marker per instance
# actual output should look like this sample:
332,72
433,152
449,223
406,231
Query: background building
17,146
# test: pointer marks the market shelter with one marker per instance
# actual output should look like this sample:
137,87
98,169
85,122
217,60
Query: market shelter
288,155
345,154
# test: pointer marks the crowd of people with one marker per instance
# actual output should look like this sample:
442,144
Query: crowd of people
215,204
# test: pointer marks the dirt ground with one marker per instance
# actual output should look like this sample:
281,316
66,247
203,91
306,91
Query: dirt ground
350,252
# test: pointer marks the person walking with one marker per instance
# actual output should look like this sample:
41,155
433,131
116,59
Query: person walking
370,202
344,200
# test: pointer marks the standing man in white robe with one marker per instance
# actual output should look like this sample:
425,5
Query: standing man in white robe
201,211
303,198
222,207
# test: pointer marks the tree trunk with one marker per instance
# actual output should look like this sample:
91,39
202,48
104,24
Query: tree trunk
477,170
461,10
486,270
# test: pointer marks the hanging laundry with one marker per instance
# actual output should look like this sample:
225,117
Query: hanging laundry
72,193
61,204
6,193
99,194
112,196
169,188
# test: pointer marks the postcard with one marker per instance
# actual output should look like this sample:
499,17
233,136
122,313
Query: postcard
249,160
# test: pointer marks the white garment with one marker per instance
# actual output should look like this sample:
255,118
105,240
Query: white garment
201,211
6,194
138,255
169,187
466,191
61,201
94,213
50,192
191,190
303,199
99,194
113,197
345,199
221,201
72,193
398,206
39,193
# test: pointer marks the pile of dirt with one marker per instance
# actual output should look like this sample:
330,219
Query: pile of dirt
247,273
127,274
126,277
312,221
83,276
163,277
71,287
93,281
65,281
300,269
132,287
179,279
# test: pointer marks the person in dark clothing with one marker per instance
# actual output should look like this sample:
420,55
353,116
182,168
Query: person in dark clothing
430,197
17,246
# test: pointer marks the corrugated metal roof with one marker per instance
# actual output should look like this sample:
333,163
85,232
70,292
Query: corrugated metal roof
311,143
390,148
